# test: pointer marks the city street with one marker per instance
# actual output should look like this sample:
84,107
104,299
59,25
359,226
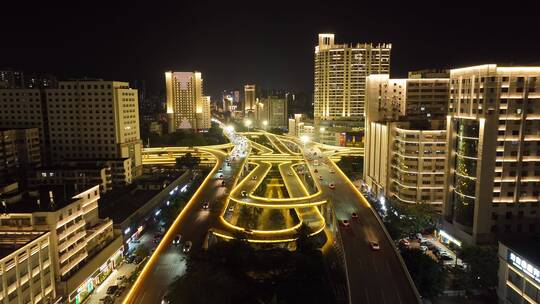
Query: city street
375,276
192,224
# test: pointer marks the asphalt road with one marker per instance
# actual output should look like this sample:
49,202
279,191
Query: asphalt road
374,276
192,226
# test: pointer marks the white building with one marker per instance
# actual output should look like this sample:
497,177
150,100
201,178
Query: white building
27,273
340,84
406,161
81,243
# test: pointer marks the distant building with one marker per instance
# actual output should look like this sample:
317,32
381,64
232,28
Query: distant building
27,273
80,119
11,79
187,108
83,247
272,112
492,188
40,81
231,101
82,175
19,151
519,271
340,84
250,100
429,73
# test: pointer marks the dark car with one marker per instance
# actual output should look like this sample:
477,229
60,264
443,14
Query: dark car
112,289
206,205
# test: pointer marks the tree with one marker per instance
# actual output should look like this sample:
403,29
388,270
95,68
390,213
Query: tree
351,165
428,275
187,161
304,243
483,264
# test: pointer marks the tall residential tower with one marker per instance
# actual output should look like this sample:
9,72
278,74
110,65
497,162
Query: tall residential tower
185,101
340,84
492,188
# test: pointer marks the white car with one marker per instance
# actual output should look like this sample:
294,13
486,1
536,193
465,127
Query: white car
374,245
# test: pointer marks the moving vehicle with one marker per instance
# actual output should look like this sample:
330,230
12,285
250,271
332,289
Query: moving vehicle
316,162
320,177
345,223
120,278
220,170
231,209
221,176
289,173
316,171
332,171
177,239
374,245
187,247
332,186
223,184
243,193
254,177
206,205
423,249
354,215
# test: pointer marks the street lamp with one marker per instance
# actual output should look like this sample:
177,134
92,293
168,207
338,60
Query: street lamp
247,123
305,139
265,124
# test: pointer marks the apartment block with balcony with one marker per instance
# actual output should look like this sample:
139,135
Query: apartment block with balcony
81,242
27,274
492,188
80,174
406,161
340,84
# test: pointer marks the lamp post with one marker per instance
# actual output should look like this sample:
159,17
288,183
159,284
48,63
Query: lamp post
247,123
265,124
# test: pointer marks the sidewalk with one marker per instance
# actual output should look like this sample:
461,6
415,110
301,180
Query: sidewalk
101,291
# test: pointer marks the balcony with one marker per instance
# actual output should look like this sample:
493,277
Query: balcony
73,263
72,252
71,229
70,241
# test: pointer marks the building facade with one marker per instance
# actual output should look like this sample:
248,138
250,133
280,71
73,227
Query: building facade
19,150
81,119
27,272
186,105
492,188
406,161
340,83
272,112
80,241
250,100
519,272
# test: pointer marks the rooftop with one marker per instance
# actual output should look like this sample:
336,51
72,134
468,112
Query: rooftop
528,248
13,240
41,199
118,204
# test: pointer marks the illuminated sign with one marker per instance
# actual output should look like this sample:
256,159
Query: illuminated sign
524,266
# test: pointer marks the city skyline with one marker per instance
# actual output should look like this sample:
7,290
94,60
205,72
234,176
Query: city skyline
420,39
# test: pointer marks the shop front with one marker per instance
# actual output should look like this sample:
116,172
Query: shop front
97,278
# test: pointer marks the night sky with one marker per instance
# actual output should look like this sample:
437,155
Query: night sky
269,43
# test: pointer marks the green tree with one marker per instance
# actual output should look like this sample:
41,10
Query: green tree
483,263
188,161
428,275
142,251
352,166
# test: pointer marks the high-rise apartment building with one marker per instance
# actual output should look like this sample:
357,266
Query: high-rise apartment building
186,105
340,83
272,112
405,161
405,152
492,188
250,101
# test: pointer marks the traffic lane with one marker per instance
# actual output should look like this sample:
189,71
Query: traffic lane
387,269
192,227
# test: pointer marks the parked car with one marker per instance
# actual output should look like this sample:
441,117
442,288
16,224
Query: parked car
187,247
405,242
112,289
423,249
